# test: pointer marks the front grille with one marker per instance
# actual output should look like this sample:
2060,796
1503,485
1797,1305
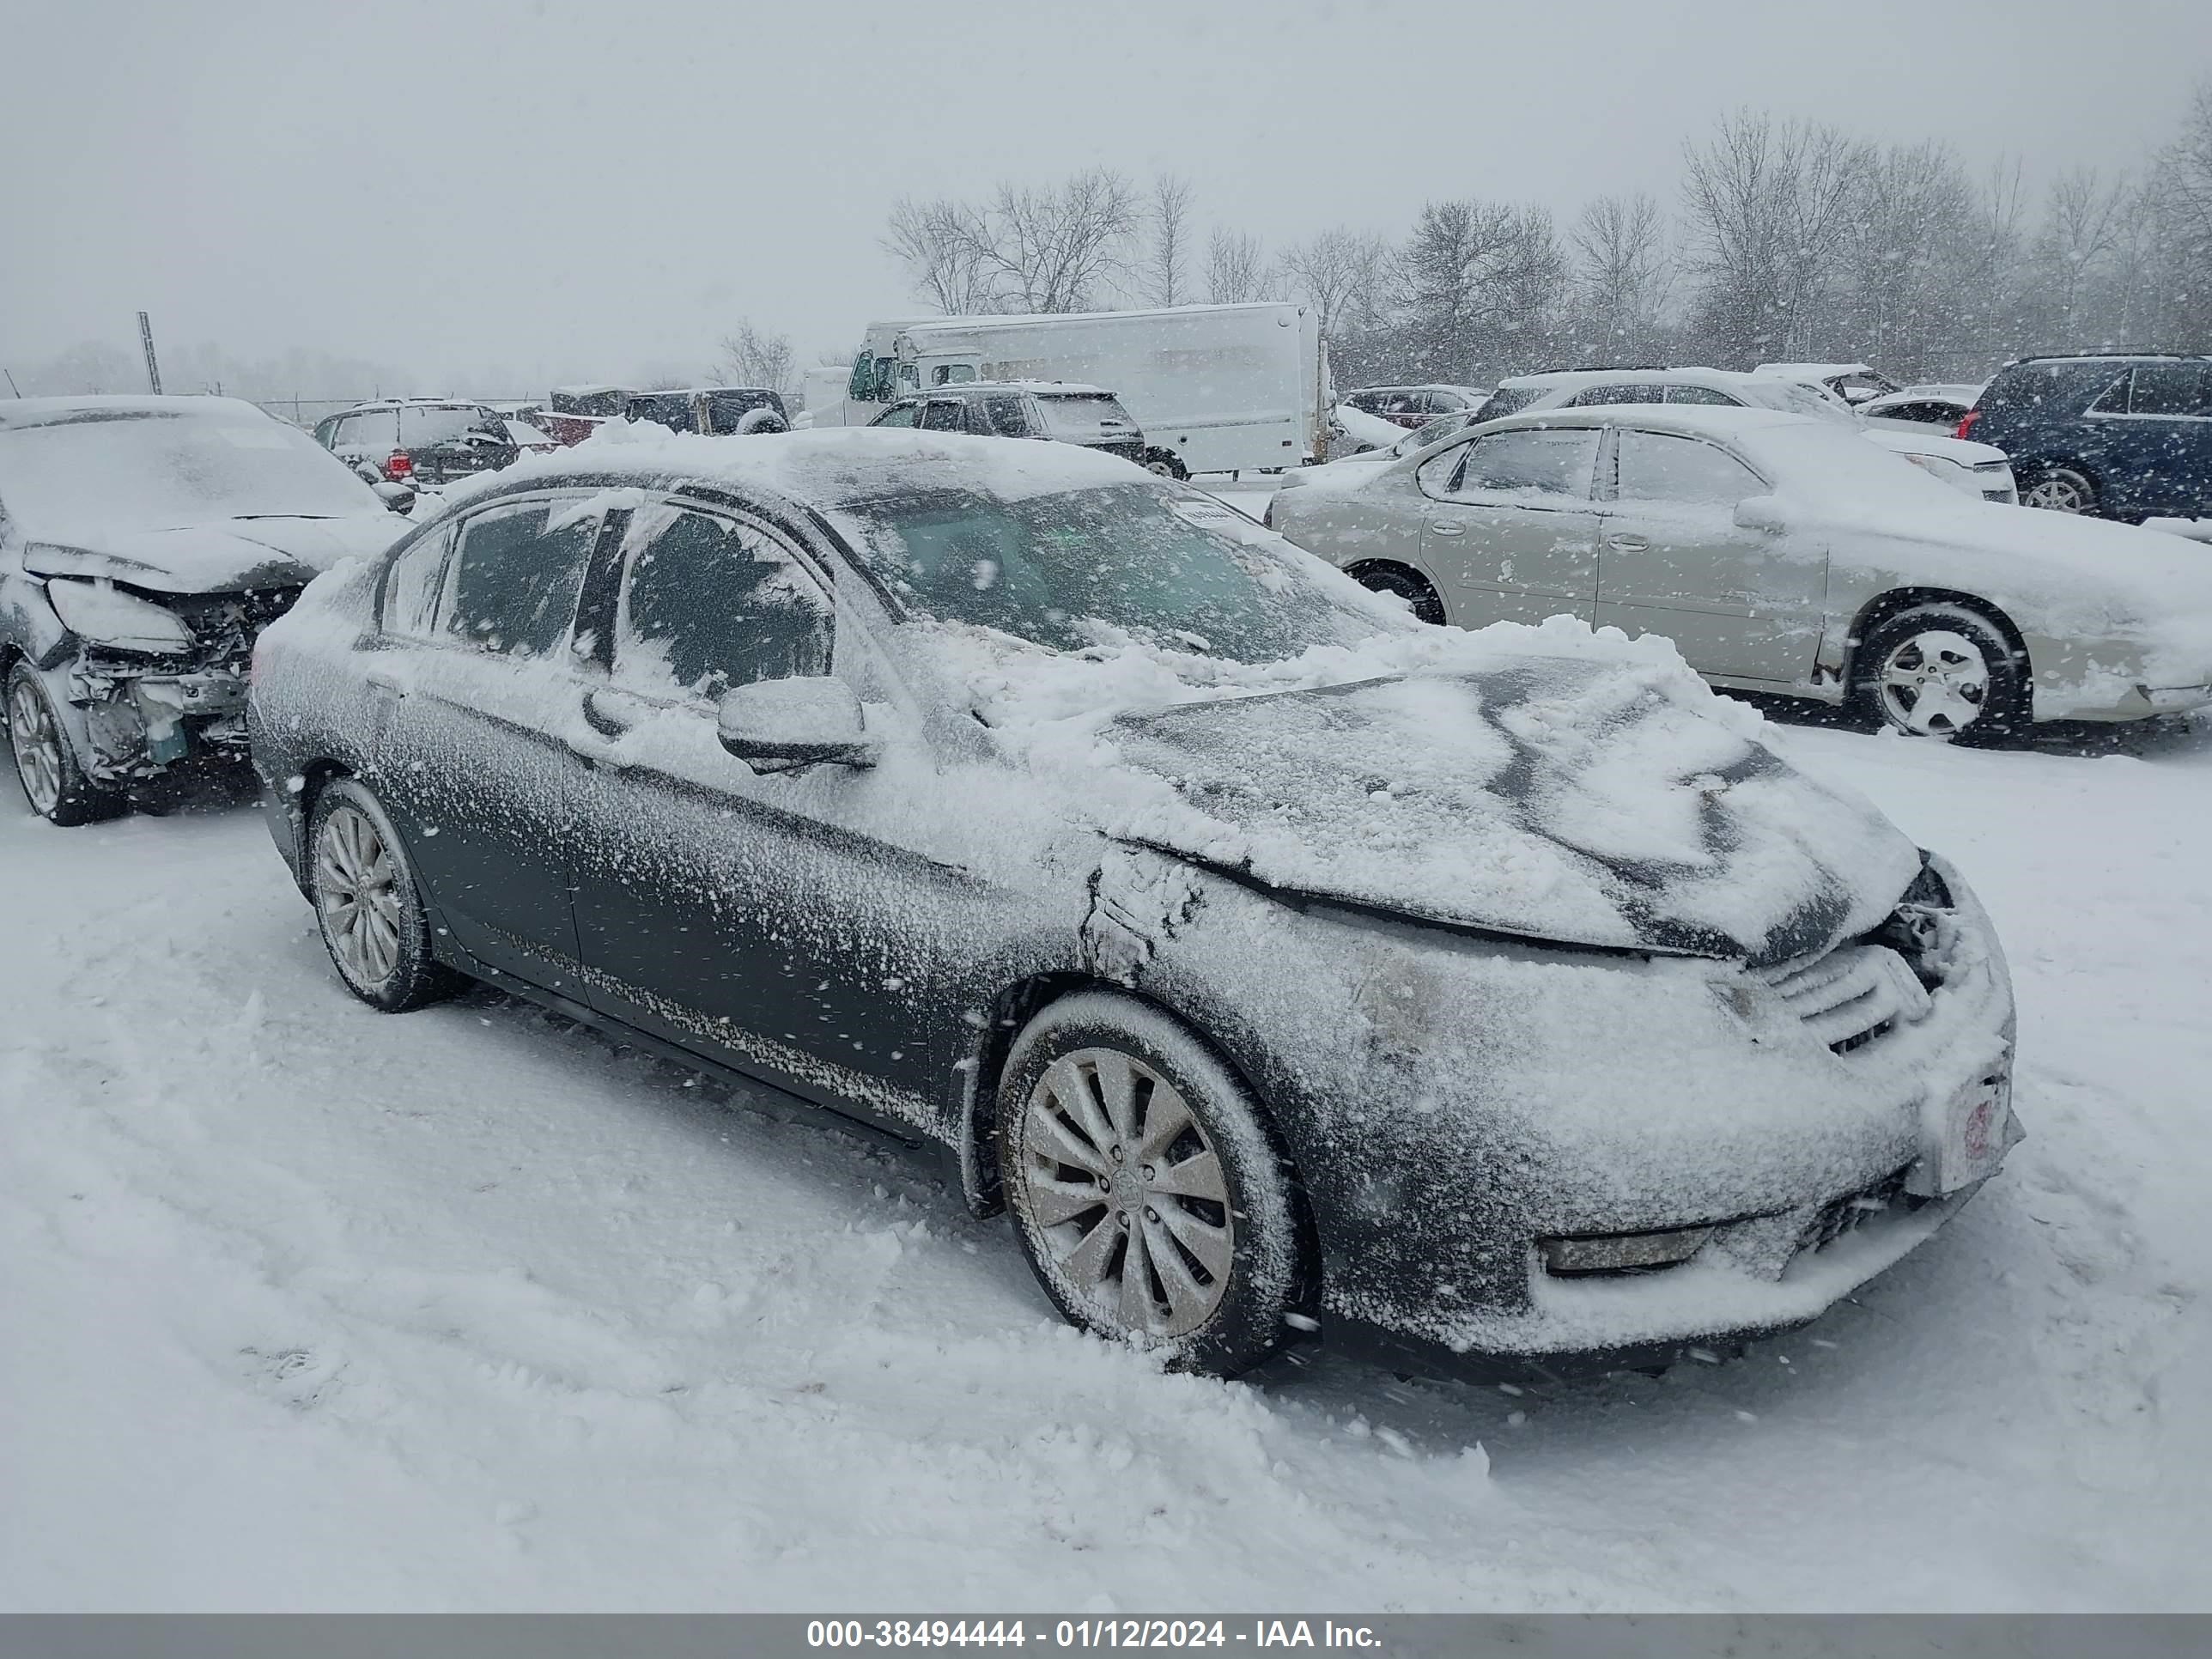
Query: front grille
1851,996
1847,1214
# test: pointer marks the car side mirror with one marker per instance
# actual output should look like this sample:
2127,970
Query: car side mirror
1760,512
780,726
395,497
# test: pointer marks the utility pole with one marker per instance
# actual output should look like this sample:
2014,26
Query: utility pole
152,367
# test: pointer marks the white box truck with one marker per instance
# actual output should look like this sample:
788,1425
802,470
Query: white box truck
1216,388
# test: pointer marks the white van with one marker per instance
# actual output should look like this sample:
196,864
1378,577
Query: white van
1216,388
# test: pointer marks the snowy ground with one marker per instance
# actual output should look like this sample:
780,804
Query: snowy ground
305,1307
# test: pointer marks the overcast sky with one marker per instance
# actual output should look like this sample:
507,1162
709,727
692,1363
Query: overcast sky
552,191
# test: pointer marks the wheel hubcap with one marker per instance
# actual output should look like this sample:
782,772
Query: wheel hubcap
1126,1193
2056,495
357,896
1935,683
38,745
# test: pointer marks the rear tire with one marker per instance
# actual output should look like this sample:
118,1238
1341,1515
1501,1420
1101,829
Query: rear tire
1145,1190
1408,584
46,764
2059,490
1166,465
369,903
1943,671
761,420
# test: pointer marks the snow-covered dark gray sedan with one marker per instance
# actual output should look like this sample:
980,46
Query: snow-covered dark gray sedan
1283,965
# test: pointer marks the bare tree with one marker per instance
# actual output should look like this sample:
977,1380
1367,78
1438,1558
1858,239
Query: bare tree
1481,281
1768,204
1340,274
1236,268
753,356
1167,265
2081,226
1028,248
1623,272
941,243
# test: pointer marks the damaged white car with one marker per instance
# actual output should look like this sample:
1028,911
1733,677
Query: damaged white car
144,543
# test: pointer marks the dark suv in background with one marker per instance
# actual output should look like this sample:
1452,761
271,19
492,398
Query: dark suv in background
1063,411
2124,437
714,411
419,439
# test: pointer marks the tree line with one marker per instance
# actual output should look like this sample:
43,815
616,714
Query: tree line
1790,241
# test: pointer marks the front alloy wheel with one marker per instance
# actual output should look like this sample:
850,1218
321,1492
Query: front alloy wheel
1146,1189
1128,1193
53,782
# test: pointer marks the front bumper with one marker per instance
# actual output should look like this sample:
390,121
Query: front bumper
138,723
1452,1103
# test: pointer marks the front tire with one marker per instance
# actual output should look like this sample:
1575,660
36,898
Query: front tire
1946,671
1428,605
46,764
1166,465
369,903
1146,1191
2059,490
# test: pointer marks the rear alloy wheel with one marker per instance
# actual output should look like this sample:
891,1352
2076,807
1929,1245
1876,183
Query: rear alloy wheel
1145,1192
46,764
2059,490
1943,671
1428,606
369,905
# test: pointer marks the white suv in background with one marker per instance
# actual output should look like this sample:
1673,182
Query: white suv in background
1981,471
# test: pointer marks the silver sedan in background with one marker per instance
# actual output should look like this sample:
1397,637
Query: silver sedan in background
1780,553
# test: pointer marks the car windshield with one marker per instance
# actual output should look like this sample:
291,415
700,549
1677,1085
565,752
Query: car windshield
1173,568
155,470
419,428
1771,392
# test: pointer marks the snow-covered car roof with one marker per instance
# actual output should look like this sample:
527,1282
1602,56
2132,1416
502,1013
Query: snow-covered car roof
48,411
1813,371
1963,396
823,465
1041,388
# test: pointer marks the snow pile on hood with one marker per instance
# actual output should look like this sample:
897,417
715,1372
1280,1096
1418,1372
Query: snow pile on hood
1553,782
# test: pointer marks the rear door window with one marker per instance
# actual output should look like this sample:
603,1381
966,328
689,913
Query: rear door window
1006,417
709,602
1551,467
413,583
1595,395
944,414
1701,394
515,578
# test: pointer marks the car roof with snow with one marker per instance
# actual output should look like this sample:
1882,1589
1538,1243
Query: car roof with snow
1718,420
1813,371
1040,388
49,411
825,466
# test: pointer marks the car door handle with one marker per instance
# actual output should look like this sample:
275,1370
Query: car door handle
1447,527
1627,544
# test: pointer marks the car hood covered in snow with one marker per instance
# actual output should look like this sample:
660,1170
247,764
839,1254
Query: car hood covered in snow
1577,801
227,556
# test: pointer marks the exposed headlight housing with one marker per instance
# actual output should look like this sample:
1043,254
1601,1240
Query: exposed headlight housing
100,613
